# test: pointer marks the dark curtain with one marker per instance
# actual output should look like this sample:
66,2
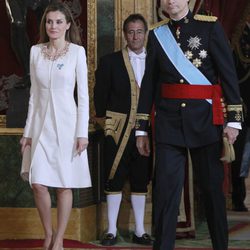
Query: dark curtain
228,12
9,64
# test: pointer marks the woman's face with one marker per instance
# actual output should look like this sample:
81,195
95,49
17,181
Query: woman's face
56,25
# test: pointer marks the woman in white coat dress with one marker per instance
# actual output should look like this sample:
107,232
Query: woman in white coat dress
56,128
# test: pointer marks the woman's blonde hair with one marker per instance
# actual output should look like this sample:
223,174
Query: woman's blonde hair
72,34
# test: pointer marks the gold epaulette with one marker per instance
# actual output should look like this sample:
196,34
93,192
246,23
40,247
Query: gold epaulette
153,26
205,18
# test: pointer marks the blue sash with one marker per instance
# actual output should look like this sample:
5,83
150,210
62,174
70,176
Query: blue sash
178,59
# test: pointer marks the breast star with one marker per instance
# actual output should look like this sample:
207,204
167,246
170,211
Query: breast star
194,42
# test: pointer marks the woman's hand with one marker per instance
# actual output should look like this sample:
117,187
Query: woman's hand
81,144
25,141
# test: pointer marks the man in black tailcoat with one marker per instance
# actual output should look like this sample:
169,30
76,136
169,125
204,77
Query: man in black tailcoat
189,67
118,79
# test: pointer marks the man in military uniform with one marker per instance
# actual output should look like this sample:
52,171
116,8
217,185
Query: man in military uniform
118,79
187,57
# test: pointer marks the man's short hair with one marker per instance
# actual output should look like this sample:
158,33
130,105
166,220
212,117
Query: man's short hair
133,18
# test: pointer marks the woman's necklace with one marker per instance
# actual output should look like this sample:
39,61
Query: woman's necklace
54,56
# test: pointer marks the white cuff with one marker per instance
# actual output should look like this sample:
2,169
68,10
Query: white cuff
234,125
140,133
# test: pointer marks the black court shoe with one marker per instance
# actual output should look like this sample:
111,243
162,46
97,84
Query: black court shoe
109,239
145,239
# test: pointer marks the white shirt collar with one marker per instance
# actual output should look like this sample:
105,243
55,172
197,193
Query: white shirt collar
132,54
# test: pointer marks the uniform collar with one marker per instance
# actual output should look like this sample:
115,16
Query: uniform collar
182,21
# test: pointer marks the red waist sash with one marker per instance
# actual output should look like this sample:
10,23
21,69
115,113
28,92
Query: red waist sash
187,91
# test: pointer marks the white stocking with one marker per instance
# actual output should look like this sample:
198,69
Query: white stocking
138,204
113,206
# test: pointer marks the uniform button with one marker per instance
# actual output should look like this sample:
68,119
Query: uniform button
181,81
183,105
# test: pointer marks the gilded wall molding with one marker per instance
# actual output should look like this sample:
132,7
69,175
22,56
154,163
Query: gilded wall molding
11,131
2,121
91,48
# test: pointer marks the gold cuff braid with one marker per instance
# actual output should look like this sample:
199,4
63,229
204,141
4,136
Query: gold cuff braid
237,108
141,116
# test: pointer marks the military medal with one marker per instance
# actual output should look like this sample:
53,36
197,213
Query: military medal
189,54
186,20
203,54
178,32
197,62
194,42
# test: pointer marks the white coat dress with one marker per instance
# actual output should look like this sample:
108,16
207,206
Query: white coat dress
54,121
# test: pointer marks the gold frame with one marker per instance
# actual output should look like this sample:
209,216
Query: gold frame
91,48
91,60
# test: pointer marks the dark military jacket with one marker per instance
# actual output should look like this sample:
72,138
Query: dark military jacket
188,122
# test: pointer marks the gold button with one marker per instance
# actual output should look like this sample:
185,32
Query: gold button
181,81
183,105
